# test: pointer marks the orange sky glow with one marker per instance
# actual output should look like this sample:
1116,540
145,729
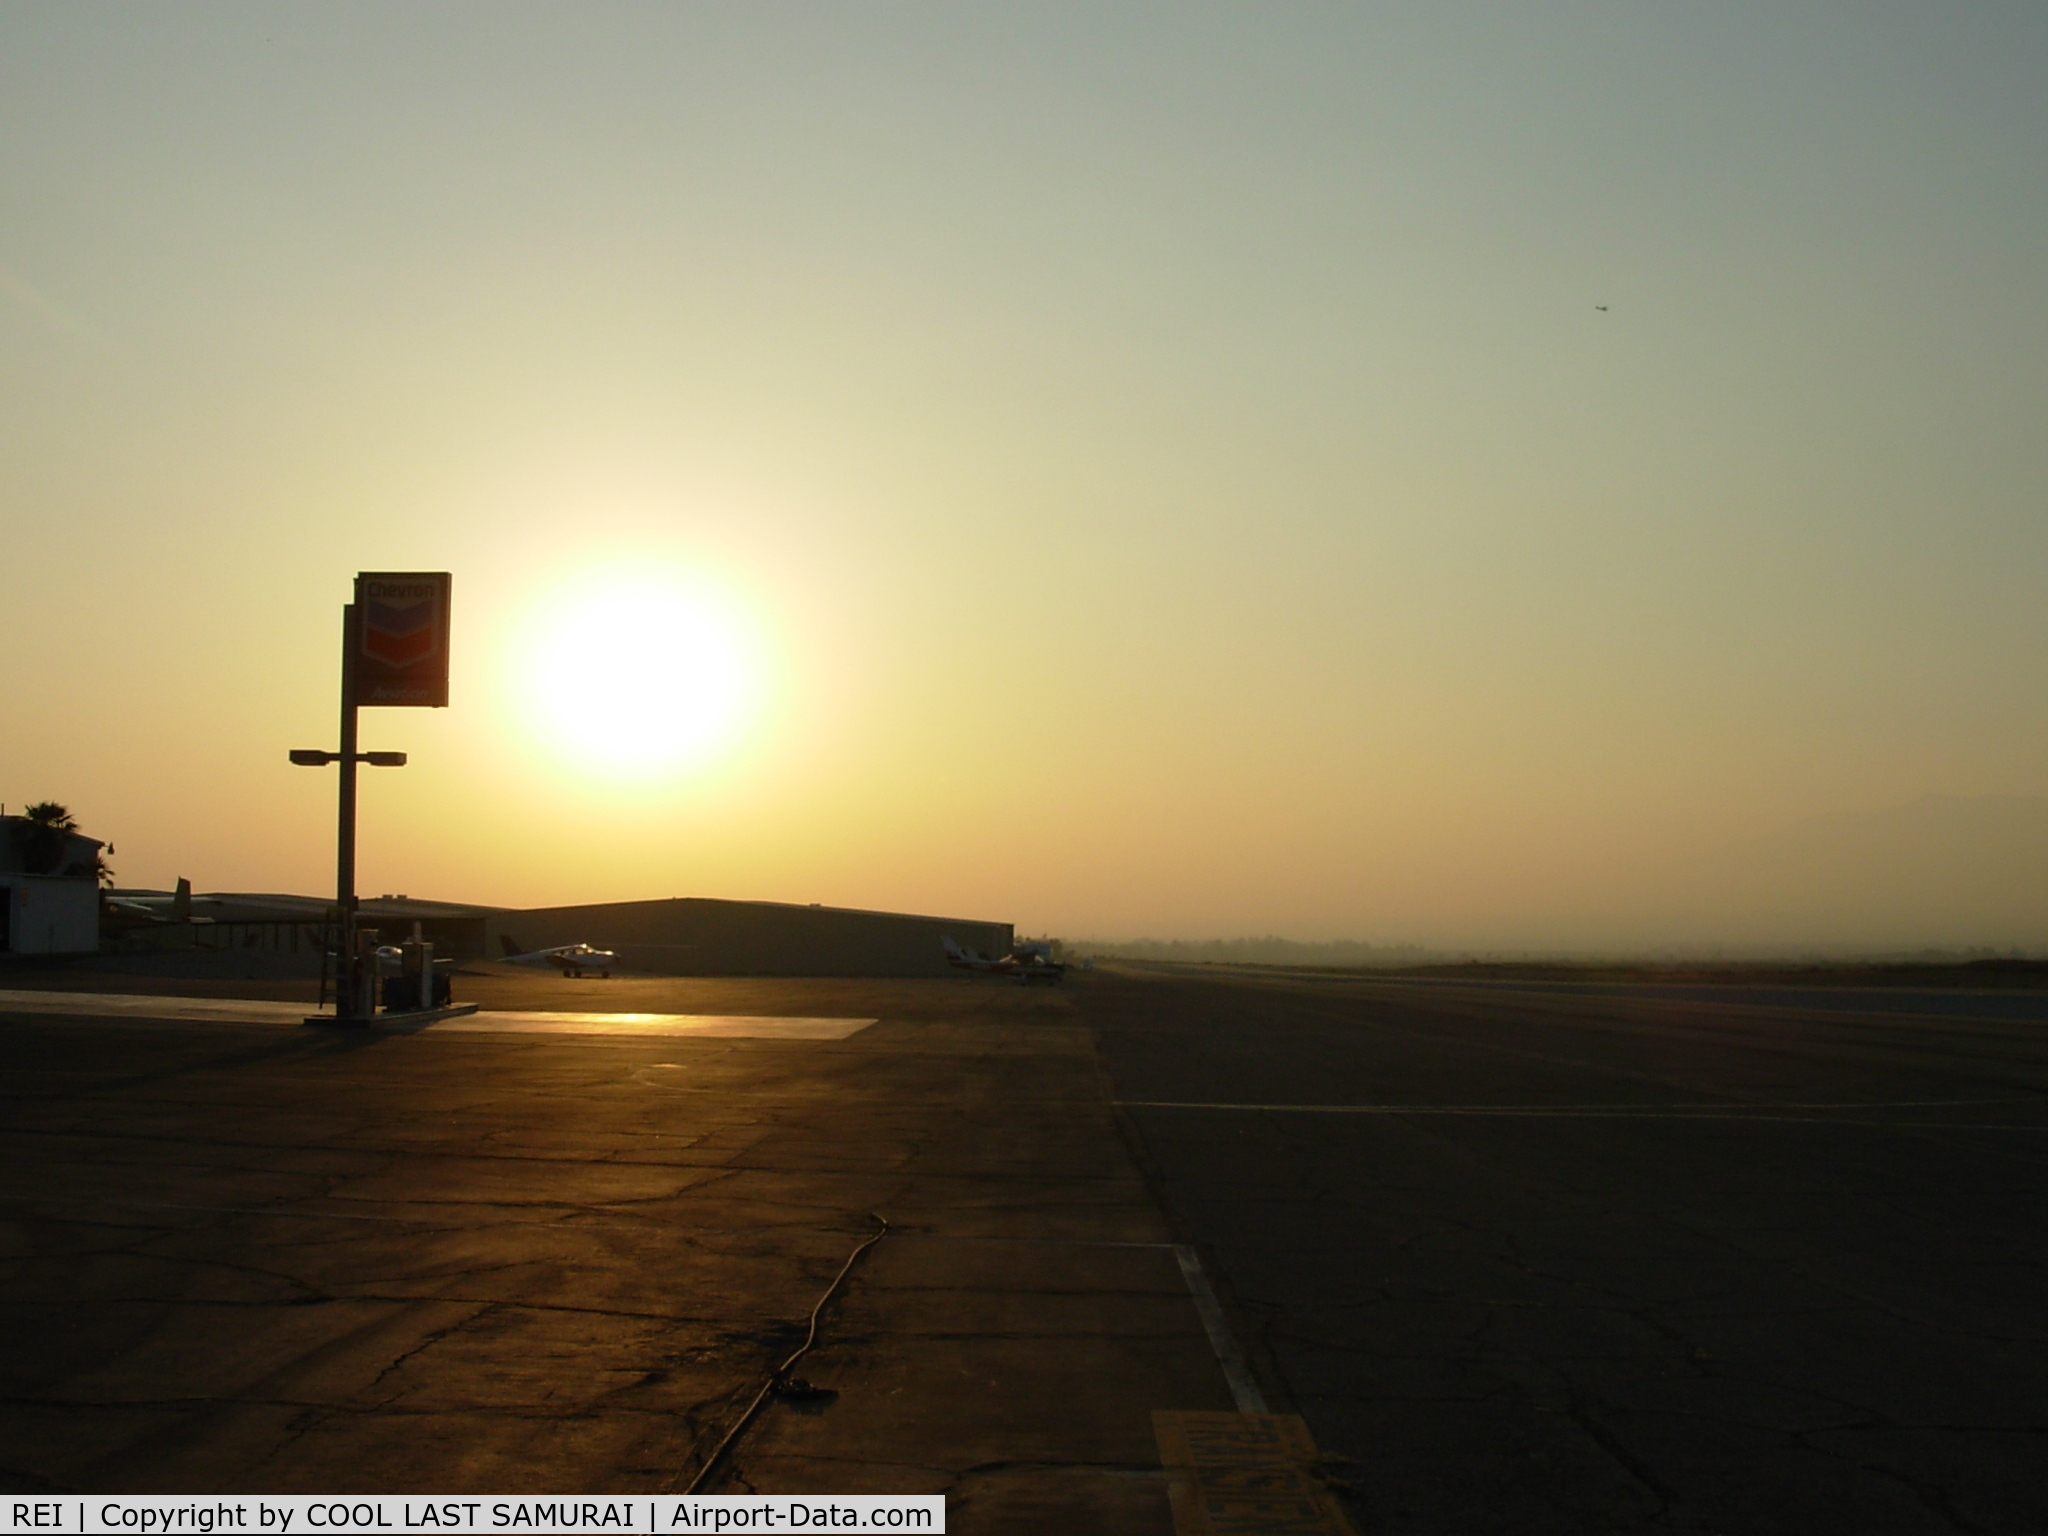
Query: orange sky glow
1558,478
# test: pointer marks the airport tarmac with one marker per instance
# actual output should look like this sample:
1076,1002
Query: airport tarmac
1549,1260
246,1257
1527,1260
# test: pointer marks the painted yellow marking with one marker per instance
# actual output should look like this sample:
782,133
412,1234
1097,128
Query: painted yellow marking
1244,1474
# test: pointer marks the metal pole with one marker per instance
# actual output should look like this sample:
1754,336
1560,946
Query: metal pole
348,988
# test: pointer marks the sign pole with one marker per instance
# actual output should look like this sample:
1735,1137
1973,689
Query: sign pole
394,652
348,994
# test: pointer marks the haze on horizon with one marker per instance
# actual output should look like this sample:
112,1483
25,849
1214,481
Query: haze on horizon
1559,476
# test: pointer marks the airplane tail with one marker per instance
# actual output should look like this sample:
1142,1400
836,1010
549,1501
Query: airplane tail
181,903
512,949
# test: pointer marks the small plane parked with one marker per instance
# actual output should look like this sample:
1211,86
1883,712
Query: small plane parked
173,907
1027,962
134,909
570,959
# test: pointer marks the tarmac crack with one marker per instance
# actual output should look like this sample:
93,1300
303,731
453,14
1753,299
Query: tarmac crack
1634,1466
426,1342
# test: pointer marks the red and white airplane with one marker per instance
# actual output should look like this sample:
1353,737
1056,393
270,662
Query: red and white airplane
1027,962
570,959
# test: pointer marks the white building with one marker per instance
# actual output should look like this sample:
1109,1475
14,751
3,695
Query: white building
49,890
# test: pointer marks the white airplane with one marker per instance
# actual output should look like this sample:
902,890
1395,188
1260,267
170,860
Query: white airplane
569,959
1027,962
127,909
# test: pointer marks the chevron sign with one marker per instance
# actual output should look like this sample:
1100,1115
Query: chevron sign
403,658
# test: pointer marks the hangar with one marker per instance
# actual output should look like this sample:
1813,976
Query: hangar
684,936
700,936
262,920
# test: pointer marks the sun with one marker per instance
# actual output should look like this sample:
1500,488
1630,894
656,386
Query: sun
638,673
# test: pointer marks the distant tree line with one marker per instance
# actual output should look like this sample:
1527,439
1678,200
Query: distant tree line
1271,950
1349,954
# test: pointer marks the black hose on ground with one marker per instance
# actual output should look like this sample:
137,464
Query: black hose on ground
782,1383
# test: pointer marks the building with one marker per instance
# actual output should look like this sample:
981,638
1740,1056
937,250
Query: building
260,920
695,936
49,890
686,936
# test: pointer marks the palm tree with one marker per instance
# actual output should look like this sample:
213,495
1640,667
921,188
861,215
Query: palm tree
50,824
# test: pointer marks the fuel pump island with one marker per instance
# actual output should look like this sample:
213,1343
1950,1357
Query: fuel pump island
394,654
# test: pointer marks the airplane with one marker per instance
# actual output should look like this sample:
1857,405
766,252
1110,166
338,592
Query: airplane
569,959
1027,962
128,909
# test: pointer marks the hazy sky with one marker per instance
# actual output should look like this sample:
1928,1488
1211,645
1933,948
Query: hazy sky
1168,466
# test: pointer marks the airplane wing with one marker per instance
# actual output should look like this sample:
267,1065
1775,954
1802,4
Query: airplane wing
571,959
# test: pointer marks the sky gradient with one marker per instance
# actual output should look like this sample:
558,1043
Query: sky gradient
1171,463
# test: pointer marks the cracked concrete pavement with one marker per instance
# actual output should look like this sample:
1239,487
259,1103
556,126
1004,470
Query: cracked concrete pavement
250,1258
1541,1262
1618,1262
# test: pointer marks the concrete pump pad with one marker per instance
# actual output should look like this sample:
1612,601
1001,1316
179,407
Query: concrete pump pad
704,1026
230,1010
130,1005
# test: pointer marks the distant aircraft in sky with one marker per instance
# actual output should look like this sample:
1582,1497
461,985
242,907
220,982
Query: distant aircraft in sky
1027,962
569,959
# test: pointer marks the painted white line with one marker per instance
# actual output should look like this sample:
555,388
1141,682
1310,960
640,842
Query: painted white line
1221,1340
1235,1372
1587,1111
1039,1242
